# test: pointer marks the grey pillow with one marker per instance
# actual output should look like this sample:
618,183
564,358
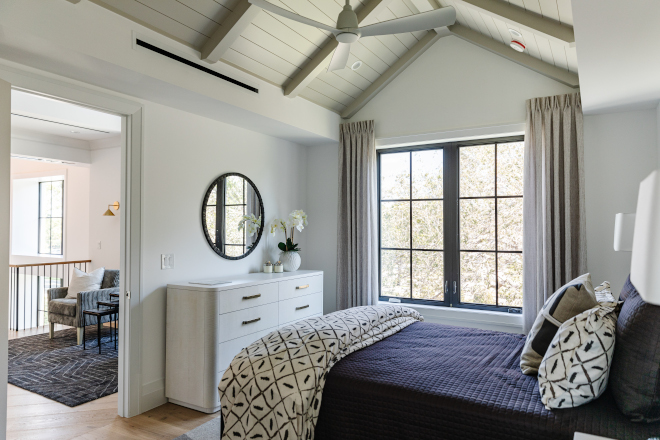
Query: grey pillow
634,379
110,279
570,300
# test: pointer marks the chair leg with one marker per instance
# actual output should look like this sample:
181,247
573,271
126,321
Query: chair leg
51,332
79,334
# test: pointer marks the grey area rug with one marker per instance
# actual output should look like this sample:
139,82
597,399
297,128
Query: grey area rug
61,370
208,431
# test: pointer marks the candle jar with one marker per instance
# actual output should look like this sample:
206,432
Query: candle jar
278,268
268,267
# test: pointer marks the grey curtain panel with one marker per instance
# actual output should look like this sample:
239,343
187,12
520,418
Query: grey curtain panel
554,230
357,222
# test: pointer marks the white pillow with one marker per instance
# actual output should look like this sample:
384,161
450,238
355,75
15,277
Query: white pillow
575,369
84,282
604,293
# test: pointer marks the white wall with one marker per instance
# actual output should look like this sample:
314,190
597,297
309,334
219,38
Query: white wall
620,149
76,204
104,189
456,85
657,112
183,154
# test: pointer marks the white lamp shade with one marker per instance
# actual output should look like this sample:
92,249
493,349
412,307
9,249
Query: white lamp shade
624,226
645,266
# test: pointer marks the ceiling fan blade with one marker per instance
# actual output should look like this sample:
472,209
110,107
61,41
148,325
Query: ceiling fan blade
340,57
419,22
263,4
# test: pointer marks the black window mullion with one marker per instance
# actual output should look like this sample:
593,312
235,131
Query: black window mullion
410,191
450,210
497,278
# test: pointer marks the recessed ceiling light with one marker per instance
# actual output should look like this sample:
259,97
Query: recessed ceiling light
517,46
356,65
515,34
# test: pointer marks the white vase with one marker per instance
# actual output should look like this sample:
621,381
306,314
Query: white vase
290,261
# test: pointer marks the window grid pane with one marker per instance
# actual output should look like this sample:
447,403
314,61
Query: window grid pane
51,217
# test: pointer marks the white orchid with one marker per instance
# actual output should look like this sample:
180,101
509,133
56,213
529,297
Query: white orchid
278,225
250,223
298,220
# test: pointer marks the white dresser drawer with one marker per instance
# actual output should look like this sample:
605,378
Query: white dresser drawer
295,309
244,297
247,321
301,286
229,349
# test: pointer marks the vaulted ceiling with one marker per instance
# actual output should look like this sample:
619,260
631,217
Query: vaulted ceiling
295,56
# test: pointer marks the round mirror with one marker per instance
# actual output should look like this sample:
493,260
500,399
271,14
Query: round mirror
232,216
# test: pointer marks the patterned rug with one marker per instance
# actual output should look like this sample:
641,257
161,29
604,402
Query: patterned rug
61,370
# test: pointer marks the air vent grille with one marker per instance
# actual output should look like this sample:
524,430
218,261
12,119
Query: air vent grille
182,60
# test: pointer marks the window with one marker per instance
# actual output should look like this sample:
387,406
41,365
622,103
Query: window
451,224
51,217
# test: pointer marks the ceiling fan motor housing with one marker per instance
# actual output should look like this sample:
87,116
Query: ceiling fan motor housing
347,18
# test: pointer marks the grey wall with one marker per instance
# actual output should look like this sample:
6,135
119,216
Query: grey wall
620,149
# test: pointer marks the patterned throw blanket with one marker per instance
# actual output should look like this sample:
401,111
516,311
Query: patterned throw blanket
272,389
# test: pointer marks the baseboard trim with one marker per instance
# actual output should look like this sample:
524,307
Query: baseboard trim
153,395
195,407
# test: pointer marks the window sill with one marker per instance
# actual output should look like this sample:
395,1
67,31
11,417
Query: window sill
484,319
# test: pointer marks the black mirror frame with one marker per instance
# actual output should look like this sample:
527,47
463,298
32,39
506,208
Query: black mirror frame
206,233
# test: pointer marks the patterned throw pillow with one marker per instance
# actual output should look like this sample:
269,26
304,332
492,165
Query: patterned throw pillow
570,300
575,369
604,293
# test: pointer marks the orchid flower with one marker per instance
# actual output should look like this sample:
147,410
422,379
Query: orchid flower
250,223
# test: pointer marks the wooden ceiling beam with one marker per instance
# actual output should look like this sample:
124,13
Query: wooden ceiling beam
529,20
321,59
228,32
561,75
395,69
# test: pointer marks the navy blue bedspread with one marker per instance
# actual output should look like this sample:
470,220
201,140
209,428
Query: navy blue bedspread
432,381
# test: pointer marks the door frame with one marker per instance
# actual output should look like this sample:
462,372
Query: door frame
130,309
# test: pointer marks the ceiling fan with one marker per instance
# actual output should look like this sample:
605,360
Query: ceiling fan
348,32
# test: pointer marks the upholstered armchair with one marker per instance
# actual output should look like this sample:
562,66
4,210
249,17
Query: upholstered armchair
69,311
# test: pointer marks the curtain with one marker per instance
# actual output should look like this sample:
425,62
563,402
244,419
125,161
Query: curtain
357,221
554,230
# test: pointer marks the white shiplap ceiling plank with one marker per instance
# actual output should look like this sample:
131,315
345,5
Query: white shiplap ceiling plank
481,26
406,39
469,20
273,45
393,44
366,71
302,29
549,9
332,92
366,56
353,77
284,33
558,54
307,9
459,12
503,29
158,21
256,52
399,9
494,31
565,12
544,49
571,58
208,8
322,100
518,3
533,6
253,66
183,14
340,83
329,8
229,4
380,50
530,42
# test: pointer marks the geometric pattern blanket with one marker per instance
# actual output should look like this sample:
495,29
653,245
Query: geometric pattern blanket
272,389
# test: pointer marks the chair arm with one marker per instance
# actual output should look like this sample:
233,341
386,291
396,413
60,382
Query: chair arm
58,292
88,300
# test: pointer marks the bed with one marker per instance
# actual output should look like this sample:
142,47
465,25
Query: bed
432,381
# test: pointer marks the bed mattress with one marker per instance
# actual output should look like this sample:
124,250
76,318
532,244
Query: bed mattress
432,381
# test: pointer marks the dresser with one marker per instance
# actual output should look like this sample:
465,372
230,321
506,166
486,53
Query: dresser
211,321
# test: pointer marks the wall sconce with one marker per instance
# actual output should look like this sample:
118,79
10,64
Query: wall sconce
114,206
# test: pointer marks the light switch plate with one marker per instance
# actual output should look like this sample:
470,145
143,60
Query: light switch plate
166,261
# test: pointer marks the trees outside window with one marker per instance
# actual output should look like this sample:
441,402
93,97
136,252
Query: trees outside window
451,224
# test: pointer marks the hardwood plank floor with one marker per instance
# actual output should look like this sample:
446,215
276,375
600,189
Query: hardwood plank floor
33,417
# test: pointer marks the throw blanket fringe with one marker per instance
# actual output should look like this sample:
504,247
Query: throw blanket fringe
272,389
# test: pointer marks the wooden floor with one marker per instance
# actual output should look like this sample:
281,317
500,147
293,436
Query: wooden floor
31,416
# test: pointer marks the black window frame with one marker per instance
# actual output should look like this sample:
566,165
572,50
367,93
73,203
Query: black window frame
451,222
40,218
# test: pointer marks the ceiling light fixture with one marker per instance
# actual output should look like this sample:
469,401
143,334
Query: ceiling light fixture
517,46
356,65
515,34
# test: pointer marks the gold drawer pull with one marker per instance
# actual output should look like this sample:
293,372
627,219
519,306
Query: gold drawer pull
302,307
251,321
302,287
252,296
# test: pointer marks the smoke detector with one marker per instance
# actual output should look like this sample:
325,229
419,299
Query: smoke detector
517,46
515,34
356,65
